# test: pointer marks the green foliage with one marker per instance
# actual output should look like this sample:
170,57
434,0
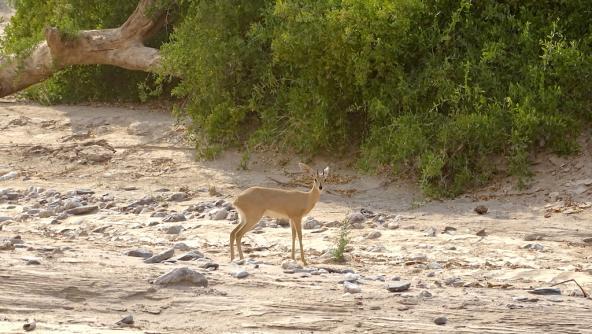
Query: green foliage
342,241
432,88
77,83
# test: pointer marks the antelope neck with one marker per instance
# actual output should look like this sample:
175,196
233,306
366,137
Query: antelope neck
313,196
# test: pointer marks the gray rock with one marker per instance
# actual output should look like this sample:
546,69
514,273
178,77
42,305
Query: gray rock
174,217
431,232
30,325
392,225
351,287
291,265
84,192
46,213
126,321
161,256
425,294
351,277
398,286
218,214
545,291
4,218
70,204
9,175
178,197
174,229
355,218
454,281
81,210
209,266
6,245
587,240
146,200
525,299
190,256
241,274
440,321
374,235
182,275
536,247
140,252
310,223
534,237
182,246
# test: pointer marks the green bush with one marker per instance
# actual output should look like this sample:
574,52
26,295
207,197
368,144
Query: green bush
434,89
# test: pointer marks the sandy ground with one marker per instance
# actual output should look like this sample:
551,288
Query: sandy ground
84,282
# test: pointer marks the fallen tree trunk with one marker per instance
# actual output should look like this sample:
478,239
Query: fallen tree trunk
122,47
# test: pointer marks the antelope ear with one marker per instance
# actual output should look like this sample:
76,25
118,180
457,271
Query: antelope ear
305,168
326,171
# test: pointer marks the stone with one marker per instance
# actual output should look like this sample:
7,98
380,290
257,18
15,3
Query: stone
6,245
533,237
398,286
82,210
4,218
355,218
350,287
536,247
481,233
161,256
525,299
440,321
430,232
182,246
84,192
9,175
190,256
310,223
126,321
587,240
374,235
174,229
241,274
481,209
351,277
291,265
146,200
392,225
545,291
182,275
210,266
425,294
30,325
218,214
174,217
140,252
178,197
454,281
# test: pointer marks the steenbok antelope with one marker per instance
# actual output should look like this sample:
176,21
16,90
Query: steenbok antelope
255,202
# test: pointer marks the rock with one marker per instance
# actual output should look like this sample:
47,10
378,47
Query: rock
374,235
81,210
126,321
398,286
139,128
351,287
140,252
4,218
101,229
481,233
533,237
146,200
545,291
525,299
392,225
30,325
440,321
174,217
210,266
587,240
182,275
182,246
481,209
190,256
310,223
9,175
241,274
351,277
425,294
355,218
536,247
84,192
6,245
178,197
430,232
174,229
95,153
218,214
45,213
161,256
291,265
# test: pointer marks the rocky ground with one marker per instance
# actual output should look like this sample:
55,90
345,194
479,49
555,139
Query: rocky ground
98,203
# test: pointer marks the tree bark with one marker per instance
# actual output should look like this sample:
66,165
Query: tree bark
122,47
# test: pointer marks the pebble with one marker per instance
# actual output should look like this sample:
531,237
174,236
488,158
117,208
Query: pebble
392,225
374,235
454,281
355,218
440,321
161,256
291,265
351,287
175,229
241,273
218,214
430,232
525,299
174,217
182,246
536,247
425,294
310,223
140,252
30,325
398,286
351,277
481,233
533,237
126,321
190,256
81,210
545,291
178,197
210,266
8,176
481,209
182,275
